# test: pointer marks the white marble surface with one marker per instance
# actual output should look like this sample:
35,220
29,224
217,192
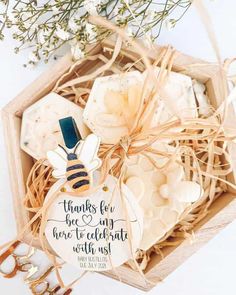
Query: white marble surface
210,271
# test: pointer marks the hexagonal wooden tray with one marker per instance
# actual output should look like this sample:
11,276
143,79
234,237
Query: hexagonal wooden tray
222,212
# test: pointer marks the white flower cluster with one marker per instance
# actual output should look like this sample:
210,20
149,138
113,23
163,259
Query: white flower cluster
46,26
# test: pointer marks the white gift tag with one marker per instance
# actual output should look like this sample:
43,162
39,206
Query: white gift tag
95,232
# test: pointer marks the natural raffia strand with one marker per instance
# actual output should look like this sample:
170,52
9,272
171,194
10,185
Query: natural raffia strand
38,184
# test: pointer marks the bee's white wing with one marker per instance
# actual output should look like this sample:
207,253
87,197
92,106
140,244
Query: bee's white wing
58,160
88,152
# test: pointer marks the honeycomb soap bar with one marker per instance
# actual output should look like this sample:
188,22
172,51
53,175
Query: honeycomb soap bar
40,130
163,194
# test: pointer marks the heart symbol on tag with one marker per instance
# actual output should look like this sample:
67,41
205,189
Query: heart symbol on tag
104,241
87,218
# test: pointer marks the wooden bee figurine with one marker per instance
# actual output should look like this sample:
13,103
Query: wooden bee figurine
78,163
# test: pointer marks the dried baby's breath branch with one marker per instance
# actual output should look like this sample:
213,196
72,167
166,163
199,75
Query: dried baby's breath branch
46,26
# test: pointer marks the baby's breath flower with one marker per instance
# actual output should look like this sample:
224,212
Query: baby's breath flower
73,24
62,34
91,31
77,51
42,37
45,26
91,6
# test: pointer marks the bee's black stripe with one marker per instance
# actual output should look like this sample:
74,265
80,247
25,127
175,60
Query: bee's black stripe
77,174
76,166
80,183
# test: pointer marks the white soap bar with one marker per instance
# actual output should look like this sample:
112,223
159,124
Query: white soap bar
176,98
114,101
40,131
163,194
112,105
